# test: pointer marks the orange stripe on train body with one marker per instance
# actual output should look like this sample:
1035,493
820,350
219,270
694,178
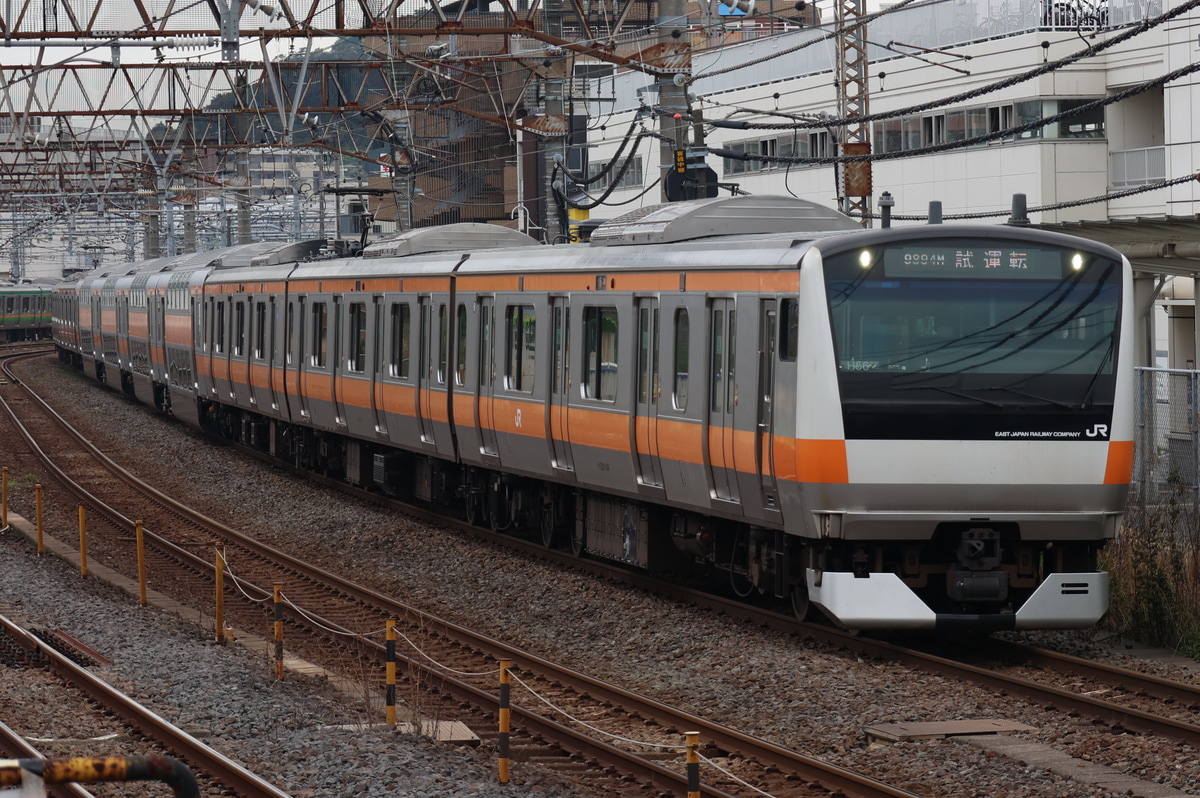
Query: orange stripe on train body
1118,470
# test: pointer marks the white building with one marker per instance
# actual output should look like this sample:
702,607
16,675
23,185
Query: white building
1002,64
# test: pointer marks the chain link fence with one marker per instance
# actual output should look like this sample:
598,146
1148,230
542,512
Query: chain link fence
1167,460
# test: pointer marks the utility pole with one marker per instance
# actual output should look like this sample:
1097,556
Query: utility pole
673,53
855,181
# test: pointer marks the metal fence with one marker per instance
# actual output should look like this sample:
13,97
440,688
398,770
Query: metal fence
1167,459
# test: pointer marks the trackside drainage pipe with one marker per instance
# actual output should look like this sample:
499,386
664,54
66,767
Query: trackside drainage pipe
91,770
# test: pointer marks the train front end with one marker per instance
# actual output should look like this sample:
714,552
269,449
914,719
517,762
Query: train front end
979,381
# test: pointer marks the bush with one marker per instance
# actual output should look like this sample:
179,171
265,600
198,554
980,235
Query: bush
1154,565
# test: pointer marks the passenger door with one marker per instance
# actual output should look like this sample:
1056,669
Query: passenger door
560,383
764,432
645,424
485,398
378,364
425,369
722,399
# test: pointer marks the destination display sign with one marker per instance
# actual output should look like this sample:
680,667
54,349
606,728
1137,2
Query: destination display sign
974,262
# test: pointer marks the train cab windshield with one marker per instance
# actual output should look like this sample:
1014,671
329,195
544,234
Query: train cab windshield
957,331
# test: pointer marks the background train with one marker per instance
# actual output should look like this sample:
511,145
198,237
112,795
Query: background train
924,427
25,311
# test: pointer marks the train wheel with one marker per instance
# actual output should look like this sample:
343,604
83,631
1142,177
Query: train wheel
801,606
547,525
472,508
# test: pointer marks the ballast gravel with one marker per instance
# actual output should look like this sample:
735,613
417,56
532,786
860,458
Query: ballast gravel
792,691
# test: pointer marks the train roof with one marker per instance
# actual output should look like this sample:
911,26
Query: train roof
720,216
24,287
448,238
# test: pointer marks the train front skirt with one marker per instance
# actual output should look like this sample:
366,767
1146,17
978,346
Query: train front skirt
883,601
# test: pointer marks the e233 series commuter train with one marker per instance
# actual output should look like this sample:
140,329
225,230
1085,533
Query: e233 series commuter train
926,427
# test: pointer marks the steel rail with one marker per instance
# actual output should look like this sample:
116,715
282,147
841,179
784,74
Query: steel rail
846,781
1106,712
214,763
15,744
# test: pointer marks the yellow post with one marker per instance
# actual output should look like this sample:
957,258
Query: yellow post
37,501
4,496
390,647
277,593
220,611
505,718
82,540
693,763
141,560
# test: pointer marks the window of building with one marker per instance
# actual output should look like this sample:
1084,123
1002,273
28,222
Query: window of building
600,353
999,118
933,130
1025,113
631,177
1086,125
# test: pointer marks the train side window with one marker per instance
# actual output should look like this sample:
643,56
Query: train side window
289,333
460,355
789,329
600,353
522,329
358,336
260,330
401,329
219,322
443,329
239,325
682,332
320,330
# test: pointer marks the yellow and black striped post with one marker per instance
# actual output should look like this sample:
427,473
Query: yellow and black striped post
4,496
693,763
82,540
390,695
277,592
505,718
37,503
219,567
141,560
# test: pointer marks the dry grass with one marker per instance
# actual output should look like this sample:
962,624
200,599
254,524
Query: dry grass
1155,570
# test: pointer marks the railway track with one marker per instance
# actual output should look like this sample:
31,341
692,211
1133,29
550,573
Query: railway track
214,769
641,740
1165,708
